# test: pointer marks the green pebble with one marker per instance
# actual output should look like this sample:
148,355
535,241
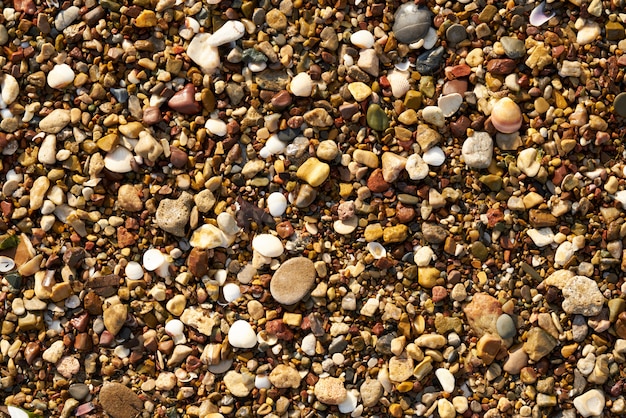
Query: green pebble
377,118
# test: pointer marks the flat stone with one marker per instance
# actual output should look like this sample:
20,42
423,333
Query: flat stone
293,280
313,171
376,117
371,391
119,401
506,326
114,317
239,384
478,150
55,121
539,344
284,377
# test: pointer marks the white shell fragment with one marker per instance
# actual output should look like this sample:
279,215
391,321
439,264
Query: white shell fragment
216,127
231,292
133,270
399,81
60,76
241,335
119,160
363,39
446,379
6,264
229,32
434,157
175,329
153,259
267,245
377,250
538,16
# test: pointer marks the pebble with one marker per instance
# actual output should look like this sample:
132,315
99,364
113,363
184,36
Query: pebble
119,160
114,318
276,204
302,85
478,150
371,391
119,401
55,121
446,379
505,326
582,296
60,76
416,167
284,377
590,403
313,171
450,104
239,384
172,215
362,39
203,53
434,157
208,236
241,335
268,245
330,391
9,89
619,104
411,23
293,280
434,116
230,31
377,118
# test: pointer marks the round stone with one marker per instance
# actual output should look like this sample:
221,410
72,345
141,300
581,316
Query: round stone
619,104
456,33
377,118
293,280
505,326
241,335
267,245
411,23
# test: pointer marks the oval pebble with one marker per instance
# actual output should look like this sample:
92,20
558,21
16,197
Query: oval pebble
153,259
434,157
60,76
241,335
302,85
267,245
231,292
277,204
411,23
119,160
363,39
446,379
505,326
216,127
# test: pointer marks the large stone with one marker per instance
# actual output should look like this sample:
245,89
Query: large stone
119,401
482,314
293,280
284,377
539,344
330,390
582,296
478,150
173,215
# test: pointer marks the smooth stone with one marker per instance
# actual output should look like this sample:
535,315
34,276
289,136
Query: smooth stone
350,403
588,31
327,150
582,296
119,401
184,101
506,326
590,403
268,245
539,344
203,53
541,237
371,391
241,335
482,314
416,167
513,47
346,226
119,160
456,33
60,76
411,23
376,118
434,157
10,89
55,121
477,150
230,31
446,379
360,91
362,39
79,391
313,171
66,17
368,61
619,104
301,85
293,280
276,204
392,165
434,116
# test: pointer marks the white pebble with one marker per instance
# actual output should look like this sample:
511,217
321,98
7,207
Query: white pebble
10,90
434,116
60,76
277,204
175,329
133,270
416,167
450,103
267,245
231,292
423,256
216,127
241,335
430,39
302,85
273,146
227,223
202,53
48,150
346,226
349,404
362,39
308,345
434,157
153,259
229,32
541,237
446,379
590,403
262,382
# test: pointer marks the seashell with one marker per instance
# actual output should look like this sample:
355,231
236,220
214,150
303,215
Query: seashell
347,226
267,245
301,85
350,403
241,335
430,39
133,270
263,337
377,250
216,127
220,277
506,116
538,16
153,259
119,160
221,367
277,204
434,157
229,32
15,412
363,39
175,329
6,264
399,82
231,292
403,65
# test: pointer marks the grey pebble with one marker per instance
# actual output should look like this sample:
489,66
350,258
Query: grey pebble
411,23
505,326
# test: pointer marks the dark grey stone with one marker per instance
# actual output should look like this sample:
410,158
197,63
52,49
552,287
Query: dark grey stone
411,23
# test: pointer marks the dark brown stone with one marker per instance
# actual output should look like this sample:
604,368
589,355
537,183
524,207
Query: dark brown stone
93,303
539,219
151,115
73,256
105,285
178,157
119,401
501,66
376,183
198,262
281,100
